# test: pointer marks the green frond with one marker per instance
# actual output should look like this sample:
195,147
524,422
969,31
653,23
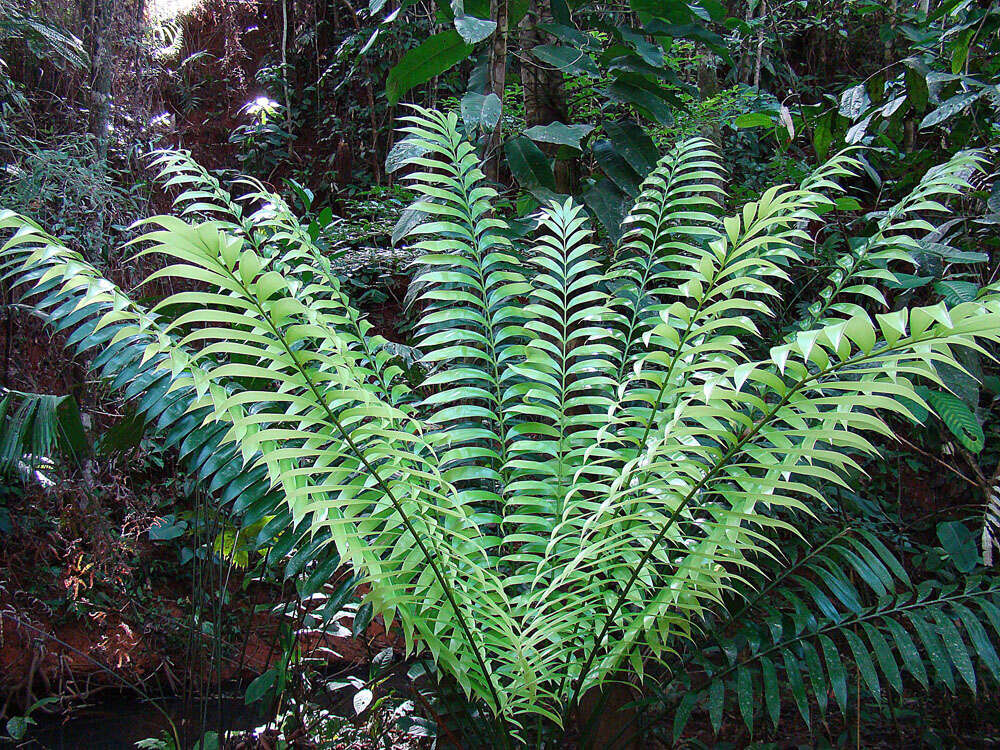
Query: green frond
706,314
825,178
559,384
991,525
719,281
850,600
265,222
752,438
469,323
44,36
675,213
333,447
860,272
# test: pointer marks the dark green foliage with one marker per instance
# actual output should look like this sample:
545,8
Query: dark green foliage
34,427
62,184
847,604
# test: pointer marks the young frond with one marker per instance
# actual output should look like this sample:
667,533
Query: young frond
469,322
676,213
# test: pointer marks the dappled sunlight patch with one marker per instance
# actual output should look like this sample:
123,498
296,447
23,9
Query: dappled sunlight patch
167,10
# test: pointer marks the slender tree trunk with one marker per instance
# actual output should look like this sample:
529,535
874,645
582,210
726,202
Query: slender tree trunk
708,86
760,45
285,72
909,135
544,91
498,78
98,16
745,57
824,52
606,718
888,49
376,162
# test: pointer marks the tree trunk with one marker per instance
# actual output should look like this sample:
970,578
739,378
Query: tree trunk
744,68
544,91
708,86
376,162
285,71
909,135
888,50
606,721
498,78
98,16
760,45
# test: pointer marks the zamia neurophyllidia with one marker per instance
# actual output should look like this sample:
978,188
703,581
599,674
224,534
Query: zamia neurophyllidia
594,456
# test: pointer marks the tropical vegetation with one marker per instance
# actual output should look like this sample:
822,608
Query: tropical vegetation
633,459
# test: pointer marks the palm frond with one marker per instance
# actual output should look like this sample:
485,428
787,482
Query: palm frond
36,427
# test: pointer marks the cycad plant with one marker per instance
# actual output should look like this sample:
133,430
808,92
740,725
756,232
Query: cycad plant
600,453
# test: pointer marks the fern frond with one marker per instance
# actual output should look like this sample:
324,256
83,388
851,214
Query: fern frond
806,626
676,211
123,364
266,223
560,385
860,270
826,177
702,328
308,389
469,323
42,33
726,280
740,430
991,523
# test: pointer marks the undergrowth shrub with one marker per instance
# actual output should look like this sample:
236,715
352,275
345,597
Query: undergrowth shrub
65,186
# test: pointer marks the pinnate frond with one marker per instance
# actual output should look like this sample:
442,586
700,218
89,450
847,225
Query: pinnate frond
860,271
848,600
